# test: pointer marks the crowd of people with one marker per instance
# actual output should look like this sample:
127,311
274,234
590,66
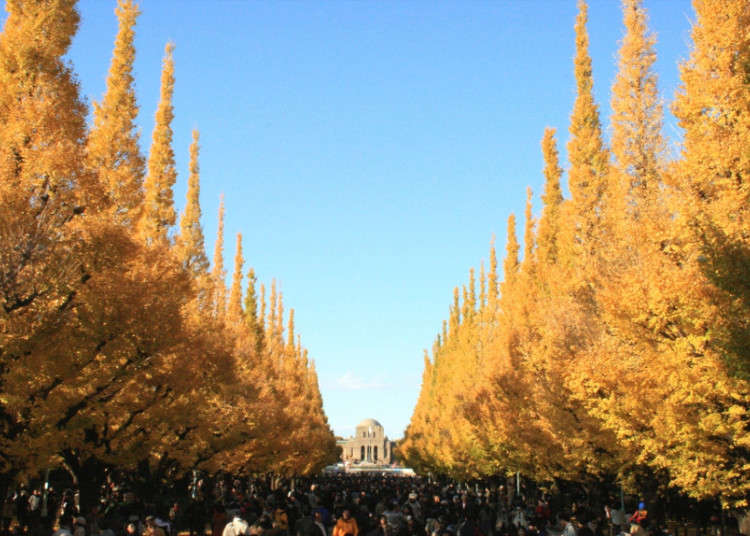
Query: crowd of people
340,505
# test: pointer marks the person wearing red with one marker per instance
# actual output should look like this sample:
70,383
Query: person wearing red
542,510
639,516
346,525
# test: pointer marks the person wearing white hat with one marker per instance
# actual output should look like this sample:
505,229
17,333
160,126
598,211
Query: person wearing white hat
236,527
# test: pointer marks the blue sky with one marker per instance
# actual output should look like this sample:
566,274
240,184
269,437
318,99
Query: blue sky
368,151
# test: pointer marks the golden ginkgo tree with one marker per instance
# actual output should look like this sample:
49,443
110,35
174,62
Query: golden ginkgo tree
618,346
116,346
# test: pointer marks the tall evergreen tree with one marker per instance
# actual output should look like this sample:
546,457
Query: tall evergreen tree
43,191
482,287
112,150
278,328
626,297
587,154
190,245
235,293
272,319
158,209
492,283
549,223
637,143
262,308
712,109
511,263
253,322
529,239
218,274
709,340
290,332
471,295
455,315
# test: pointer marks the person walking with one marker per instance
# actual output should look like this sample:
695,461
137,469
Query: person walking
346,525
236,527
383,528
640,516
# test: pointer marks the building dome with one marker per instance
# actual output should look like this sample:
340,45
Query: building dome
369,422
368,446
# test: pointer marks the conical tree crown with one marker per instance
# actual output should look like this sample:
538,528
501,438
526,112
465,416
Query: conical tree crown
262,307
290,332
455,315
278,327
235,293
586,152
471,294
549,223
113,150
158,210
529,240
42,117
636,143
44,187
492,283
482,287
713,109
253,322
190,247
511,264
218,274
273,304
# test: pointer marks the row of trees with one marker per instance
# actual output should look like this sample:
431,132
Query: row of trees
119,345
616,348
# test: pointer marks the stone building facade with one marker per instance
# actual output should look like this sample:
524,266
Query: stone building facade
369,445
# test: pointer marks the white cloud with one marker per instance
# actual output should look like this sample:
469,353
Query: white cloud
350,382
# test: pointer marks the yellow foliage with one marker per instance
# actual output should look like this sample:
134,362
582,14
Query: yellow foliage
114,345
620,343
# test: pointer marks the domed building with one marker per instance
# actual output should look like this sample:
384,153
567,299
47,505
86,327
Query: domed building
369,444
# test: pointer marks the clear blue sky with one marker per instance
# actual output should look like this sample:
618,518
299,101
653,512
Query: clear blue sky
368,151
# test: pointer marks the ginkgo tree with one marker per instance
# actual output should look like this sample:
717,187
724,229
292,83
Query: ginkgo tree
618,342
116,345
